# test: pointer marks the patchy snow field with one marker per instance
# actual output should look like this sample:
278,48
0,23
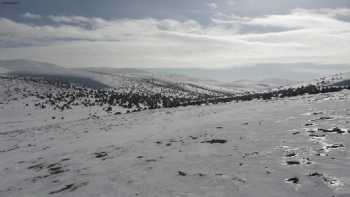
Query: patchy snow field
288,147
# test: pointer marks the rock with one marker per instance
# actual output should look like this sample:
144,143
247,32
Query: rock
291,154
293,162
102,155
333,130
150,160
215,141
181,173
316,174
294,180
335,146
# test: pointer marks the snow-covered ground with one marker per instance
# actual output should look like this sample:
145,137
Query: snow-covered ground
296,146
288,147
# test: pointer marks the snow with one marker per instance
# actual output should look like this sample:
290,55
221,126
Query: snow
297,146
165,152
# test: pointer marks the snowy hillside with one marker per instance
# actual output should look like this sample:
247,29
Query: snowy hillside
288,147
146,134
132,90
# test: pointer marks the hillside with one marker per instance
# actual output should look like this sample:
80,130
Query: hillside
158,135
107,91
287,147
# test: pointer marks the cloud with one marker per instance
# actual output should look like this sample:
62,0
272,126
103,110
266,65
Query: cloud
309,36
70,19
231,3
301,18
325,11
212,5
17,34
29,15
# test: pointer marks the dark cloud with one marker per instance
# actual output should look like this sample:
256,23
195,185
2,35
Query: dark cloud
179,9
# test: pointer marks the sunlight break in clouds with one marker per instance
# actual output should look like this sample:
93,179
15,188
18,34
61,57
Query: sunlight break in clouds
308,36
29,15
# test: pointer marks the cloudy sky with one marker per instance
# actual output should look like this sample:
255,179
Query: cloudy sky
181,33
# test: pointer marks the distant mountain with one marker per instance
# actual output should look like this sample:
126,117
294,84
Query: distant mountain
293,71
33,67
113,71
257,86
3,70
172,81
48,71
342,79
122,79
144,80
